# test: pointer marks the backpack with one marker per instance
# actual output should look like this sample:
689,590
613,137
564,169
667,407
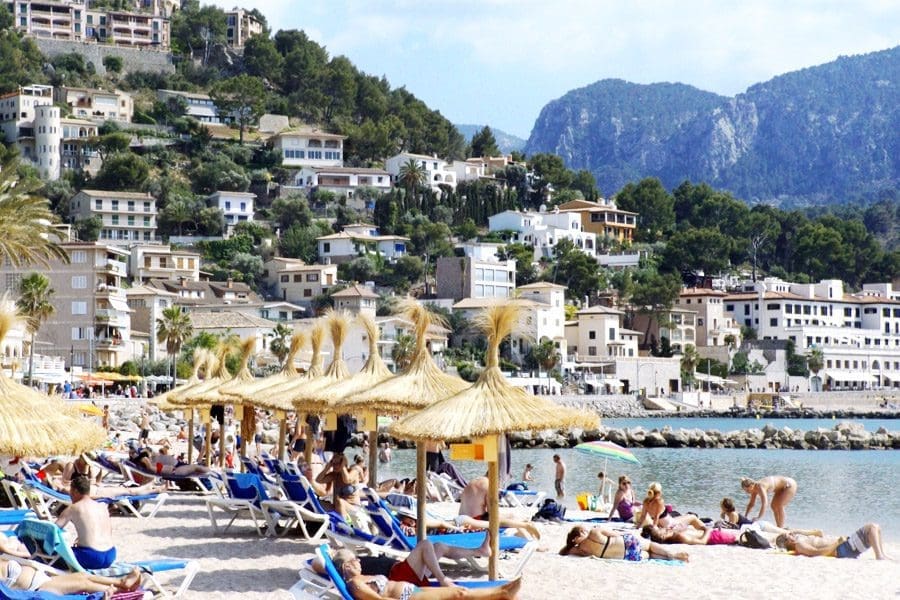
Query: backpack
754,539
550,510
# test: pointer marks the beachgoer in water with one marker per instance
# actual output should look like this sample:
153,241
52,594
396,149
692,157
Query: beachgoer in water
560,480
94,547
783,490
527,474
25,577
607,543
384,453
867,536
408,580
624,500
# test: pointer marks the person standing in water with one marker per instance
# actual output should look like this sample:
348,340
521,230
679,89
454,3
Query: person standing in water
560,480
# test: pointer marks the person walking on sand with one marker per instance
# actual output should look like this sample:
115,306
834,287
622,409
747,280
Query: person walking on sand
560,480
783,490
94,547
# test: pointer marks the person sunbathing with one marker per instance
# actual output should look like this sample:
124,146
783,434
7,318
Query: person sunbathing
178,469
732,519
867,536
408,580
94,548
655,511
694,537
24,577
607,543
473,511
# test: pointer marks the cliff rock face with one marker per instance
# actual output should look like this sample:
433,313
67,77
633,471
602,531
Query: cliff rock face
821,134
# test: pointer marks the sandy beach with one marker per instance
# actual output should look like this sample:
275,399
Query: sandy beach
243,565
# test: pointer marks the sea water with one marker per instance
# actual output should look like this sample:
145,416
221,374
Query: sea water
838,490
726,424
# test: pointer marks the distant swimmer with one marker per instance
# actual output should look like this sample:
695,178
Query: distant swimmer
783,490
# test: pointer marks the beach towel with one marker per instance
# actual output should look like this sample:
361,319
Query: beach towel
8,593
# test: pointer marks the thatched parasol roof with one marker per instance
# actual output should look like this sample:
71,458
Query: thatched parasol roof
247,391
372,373
219,374
491,406
33,424
277,397
203,360
243,375
305,397
422,383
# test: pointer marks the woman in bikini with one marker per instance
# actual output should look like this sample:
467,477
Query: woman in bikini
624,500
379,587
783,490
23,577
606,543
654,511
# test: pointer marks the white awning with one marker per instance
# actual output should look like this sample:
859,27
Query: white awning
850,376
119,304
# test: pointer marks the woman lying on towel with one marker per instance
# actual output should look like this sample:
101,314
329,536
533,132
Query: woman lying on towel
695,537
607,543
408,580
24,577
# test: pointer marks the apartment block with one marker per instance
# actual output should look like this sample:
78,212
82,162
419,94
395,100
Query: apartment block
242,25
293,280
127,217
475,272
92,321
309,147
147,305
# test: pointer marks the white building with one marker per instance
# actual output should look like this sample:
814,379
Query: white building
309,147
158,261
242,324
199,106
858,334
236,206
95,104
127,217
242,25
293,280
344,182
357,240
543,230
437,171
475,272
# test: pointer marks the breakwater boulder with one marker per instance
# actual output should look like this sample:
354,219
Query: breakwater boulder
849,436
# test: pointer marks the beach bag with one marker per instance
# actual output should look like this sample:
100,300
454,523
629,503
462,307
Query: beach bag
754,539
550,510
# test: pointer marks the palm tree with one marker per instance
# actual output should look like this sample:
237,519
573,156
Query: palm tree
26,234
34,304
815,360
689,360
174,328
412,176
546,354
281,343
403,351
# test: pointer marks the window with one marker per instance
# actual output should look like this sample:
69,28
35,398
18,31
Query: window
114,219
79,307
79,282
131,206
592,350
592,335
98,204
773,307
307,292
285,279
78,256
243,207
12,281
115,205
146,221
326,247
79,333
131,220
228,205
773,322
312,277
612,334
298,278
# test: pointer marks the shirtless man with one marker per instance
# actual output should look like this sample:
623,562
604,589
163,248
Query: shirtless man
94,547
560,481
473,510
867,536
145,427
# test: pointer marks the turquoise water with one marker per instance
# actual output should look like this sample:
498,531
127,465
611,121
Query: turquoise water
726,424
837,490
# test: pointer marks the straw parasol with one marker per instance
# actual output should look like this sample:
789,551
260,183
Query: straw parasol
277,396
305,398
372,373
202,359
33,424
421,384
248,391
489,408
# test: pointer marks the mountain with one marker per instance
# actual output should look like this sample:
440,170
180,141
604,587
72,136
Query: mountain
816,136
507,142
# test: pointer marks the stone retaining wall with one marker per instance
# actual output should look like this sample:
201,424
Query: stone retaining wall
133,59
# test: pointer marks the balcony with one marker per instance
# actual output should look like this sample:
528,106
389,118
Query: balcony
106,343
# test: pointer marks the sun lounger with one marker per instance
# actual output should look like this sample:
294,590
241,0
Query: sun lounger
299,508
49,548
8,593
518,498
313,585
246,494
45,501
203,484
101,463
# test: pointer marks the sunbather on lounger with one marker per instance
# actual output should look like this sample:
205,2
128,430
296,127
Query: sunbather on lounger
24,577
408,580
473,510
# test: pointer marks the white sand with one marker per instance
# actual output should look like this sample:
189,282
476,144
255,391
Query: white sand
243,565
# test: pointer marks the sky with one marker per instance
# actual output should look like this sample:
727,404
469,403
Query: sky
498,62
